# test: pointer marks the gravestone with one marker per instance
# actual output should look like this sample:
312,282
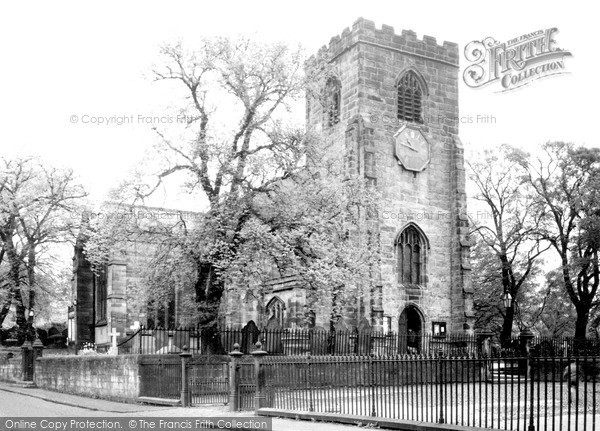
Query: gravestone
114,350
250,335
273,336
364,337
320,341
344,339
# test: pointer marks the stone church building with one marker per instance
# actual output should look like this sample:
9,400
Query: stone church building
392,110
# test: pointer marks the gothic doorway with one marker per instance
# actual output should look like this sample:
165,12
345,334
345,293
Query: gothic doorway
410,330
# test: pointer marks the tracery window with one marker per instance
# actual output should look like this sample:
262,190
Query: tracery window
275,310
410,253
333,101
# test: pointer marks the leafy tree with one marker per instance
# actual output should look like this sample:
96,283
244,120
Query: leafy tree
487,289
37,204
530,305
509,231
566,182
549,310
594,328
273,200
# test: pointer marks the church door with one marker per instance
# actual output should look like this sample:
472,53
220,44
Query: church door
410,331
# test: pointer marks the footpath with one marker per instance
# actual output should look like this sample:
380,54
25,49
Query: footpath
105,408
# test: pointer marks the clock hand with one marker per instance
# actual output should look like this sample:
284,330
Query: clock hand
411,147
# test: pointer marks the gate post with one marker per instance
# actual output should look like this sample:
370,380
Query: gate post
259,377
486,352
233,377
38,349
27,361
185,391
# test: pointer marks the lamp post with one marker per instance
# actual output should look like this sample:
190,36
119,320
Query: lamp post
30,331
505,336
507,299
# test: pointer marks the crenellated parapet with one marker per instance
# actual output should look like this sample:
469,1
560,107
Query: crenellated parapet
363,31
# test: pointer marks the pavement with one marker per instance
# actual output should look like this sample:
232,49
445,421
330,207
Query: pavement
18,401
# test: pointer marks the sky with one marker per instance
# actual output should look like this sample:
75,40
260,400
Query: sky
63,62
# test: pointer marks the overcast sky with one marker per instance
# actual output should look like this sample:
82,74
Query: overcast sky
64,59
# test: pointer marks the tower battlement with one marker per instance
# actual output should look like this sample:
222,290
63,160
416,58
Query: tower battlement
364,31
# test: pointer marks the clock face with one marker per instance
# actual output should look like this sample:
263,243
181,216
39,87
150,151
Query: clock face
412,148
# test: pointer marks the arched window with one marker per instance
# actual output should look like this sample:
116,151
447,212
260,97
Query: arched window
410,252
100,285
410,95
275,310
333,101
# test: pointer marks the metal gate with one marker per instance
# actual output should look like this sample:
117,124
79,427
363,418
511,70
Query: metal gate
160,377
208,382
246,386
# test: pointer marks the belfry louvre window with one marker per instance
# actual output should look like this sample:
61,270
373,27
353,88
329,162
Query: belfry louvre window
410,250
410,96
333,101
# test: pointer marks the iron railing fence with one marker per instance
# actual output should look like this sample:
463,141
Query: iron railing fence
317,342
547,346
208,378
295,342
518,393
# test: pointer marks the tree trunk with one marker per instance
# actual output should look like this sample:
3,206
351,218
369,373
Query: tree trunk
583,316
5,308
209,290
20,310
15,278
505,335
30,331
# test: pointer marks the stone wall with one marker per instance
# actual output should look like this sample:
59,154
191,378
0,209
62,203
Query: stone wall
103,376
10,364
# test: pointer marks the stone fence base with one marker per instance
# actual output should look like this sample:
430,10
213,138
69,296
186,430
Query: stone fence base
108,377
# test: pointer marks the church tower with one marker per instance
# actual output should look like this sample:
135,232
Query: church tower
391,106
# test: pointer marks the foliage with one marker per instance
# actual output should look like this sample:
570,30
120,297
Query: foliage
566,183
549,310
272,200
88,349
487,289
38,208
509,248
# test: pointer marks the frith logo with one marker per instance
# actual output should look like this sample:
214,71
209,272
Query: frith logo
515,63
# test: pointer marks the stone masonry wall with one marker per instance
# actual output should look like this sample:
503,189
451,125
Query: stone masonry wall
10,364
110,377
